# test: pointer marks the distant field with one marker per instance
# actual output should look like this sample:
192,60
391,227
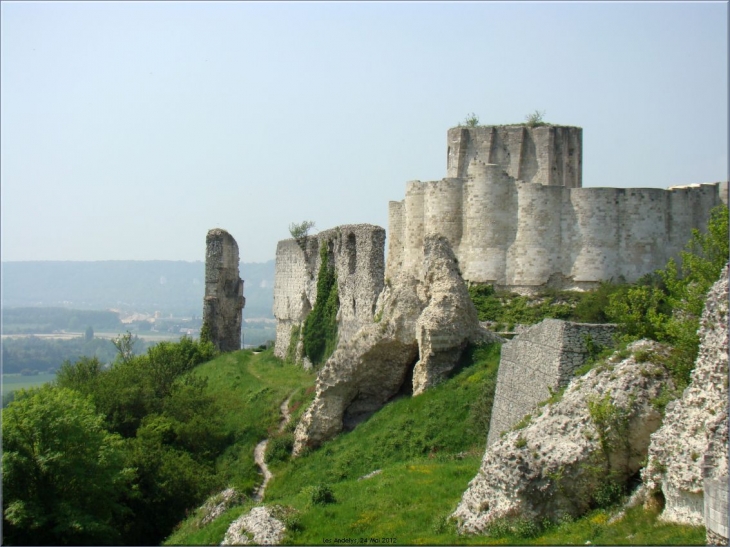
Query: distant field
155,337
11,382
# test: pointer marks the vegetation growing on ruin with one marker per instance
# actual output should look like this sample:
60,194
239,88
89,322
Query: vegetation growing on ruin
506,309
665,305
320,326
471,120
291,350
300,230
205,333
535,119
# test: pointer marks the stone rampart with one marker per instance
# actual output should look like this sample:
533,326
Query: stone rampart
357,250
716,510
223,301
541,359
546,154
515,213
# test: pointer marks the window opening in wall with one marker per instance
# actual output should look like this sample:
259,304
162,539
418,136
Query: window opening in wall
352,253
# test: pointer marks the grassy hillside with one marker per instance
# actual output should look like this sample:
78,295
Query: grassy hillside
251,388
426,450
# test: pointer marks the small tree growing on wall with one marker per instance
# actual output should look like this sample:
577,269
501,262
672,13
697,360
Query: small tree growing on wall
472,120
535,119
300,230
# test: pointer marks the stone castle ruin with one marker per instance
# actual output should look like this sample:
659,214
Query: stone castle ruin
514,210
511,213
539,362
359,262
223,301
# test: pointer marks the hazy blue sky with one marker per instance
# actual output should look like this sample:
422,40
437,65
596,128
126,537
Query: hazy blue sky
130,129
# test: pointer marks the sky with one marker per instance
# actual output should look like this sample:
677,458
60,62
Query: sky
128,130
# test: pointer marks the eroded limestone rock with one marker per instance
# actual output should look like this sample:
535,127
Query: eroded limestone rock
364,372
554,465
218,504
434,316
257,527
449,320
223,302
696,425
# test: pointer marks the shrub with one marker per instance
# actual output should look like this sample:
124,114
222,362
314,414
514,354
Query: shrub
471,120
667,305
609,493
321,494
535,118
280,448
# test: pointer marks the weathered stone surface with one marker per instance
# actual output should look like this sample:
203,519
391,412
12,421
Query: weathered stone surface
257,527
540,471
543,357
449,320
695,429
513,209
373,366
223,302
357,250
364,372
218,504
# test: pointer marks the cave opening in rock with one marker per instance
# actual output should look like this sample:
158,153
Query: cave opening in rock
406,388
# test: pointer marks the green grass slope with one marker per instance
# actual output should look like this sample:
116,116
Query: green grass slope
250,389
426,449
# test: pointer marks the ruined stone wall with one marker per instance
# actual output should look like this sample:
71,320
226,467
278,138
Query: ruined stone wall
543,229
549,154
716,510
395,239
542,358
357,250
223,301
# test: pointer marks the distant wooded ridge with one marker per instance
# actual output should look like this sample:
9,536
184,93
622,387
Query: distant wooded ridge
142,286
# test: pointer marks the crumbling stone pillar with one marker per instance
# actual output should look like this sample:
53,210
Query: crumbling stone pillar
223,302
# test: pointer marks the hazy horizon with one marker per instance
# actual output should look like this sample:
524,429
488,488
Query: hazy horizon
130,129
133,260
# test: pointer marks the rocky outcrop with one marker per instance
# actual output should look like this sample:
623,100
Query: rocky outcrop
541,358
433,318
559,462
695,430
448,321
257,527
223,302
218,504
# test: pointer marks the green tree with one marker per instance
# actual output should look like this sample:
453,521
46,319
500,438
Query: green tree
300,230
89,334
80,376
63,473
667,306
125,346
